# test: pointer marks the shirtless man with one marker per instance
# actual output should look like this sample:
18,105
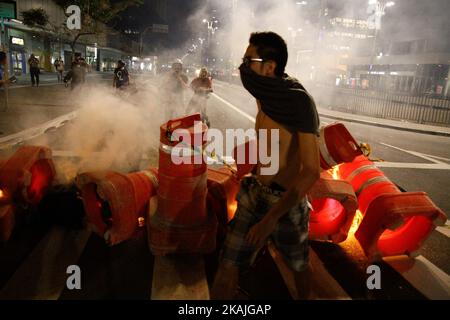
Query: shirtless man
274,206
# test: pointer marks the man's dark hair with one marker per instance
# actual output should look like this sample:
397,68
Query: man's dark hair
2,56
271,46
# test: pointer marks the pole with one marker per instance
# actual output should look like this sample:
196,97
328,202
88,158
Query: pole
6,71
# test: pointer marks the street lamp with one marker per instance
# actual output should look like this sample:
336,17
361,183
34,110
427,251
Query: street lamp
211,30
380,10
141,36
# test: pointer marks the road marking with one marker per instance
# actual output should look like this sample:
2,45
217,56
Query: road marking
431,281
414,153
27,134
436,157
407,165
42,276
179,278
323,285
445,230
228,104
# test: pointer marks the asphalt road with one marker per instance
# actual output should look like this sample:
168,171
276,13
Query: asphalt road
423,159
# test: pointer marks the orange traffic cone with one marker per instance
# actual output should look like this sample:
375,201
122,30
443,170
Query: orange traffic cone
394,222
334,205
115,203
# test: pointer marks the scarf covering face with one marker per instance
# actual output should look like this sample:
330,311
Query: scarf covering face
283,99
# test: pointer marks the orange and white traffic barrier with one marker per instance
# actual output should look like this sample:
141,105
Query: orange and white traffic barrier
334,205
24,178
394,222
223,187
7,221
336,146
28,173
181,223
116,204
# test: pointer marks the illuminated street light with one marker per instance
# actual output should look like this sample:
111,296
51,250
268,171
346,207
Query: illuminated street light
379,7
211,30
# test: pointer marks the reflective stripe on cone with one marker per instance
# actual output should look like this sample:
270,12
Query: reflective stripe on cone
336,146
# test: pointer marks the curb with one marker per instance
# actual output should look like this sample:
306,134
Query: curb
383,125
22,136
373,123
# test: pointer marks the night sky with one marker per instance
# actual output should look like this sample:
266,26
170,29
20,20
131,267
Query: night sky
407,19
137,18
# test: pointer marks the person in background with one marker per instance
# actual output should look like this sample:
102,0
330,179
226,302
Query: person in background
173,91
33,62
121,78
3,82
77,73
202,86
59,68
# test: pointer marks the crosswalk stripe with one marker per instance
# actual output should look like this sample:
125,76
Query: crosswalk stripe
445,230
423,275
42,276
323,285
179,278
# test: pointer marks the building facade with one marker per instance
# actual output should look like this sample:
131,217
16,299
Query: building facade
22,41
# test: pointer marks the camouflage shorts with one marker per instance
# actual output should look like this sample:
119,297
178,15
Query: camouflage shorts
290,235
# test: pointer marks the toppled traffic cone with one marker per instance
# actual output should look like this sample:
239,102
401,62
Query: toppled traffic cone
28,173
115,203
394,222
223,187
24,178
7,221
334,205
337,146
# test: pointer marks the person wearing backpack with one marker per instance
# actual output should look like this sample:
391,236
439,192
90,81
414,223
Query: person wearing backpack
33,62
121,76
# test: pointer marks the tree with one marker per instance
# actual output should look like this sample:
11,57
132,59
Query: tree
95,14
35,18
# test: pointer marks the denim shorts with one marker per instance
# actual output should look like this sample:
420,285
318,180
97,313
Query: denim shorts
290,235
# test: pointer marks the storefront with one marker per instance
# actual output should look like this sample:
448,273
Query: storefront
91,57
17,55
108,58
79,49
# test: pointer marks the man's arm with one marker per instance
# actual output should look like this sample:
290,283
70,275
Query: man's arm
299,186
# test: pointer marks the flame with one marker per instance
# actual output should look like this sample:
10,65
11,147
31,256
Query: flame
335,172
232,210
1,193
141,221
356,222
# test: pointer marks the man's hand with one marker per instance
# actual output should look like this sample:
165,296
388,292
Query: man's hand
260,232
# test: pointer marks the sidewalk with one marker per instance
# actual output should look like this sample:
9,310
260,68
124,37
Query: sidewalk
385,123
379,122
46,78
